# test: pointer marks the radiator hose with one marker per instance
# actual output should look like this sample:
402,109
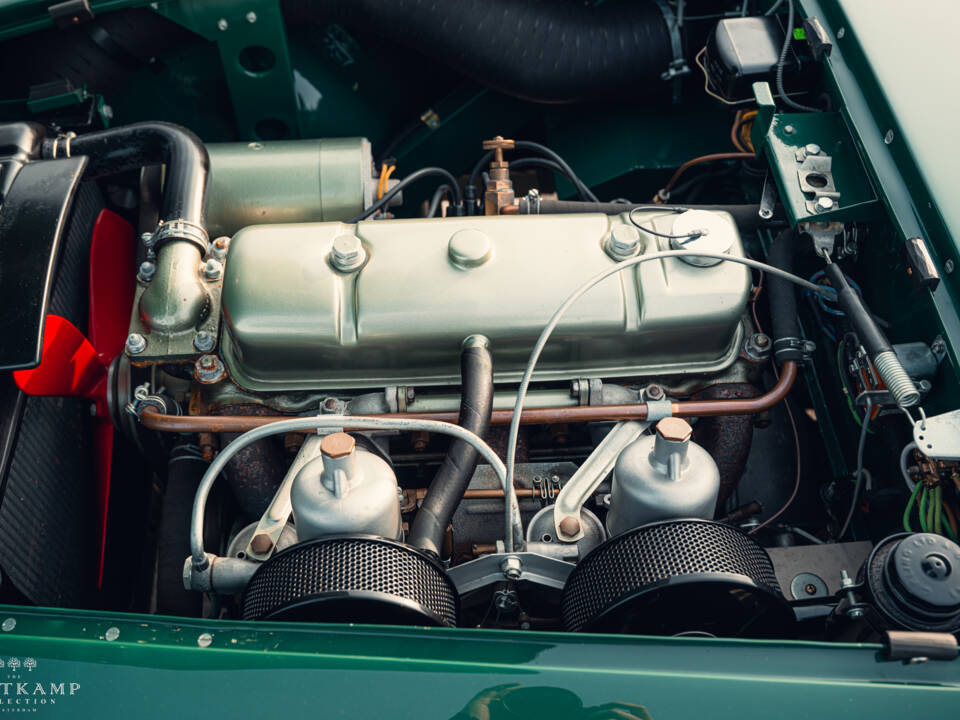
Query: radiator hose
453,477
552,51
787,342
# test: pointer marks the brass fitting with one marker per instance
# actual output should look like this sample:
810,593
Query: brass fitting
499,191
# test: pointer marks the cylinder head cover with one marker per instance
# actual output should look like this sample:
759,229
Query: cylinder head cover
347,489
664,476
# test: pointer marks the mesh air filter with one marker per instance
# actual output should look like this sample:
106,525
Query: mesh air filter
676,577
358,579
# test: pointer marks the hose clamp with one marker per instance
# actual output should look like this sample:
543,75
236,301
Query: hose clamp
793,348
66,138
180,229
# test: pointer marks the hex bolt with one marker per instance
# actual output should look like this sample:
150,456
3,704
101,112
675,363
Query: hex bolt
212,269
624,241
846,583
570,526
136,344
512,567
824,204
655,392
812,149
219,248
347,253
261,544
147,270
330,405
204,341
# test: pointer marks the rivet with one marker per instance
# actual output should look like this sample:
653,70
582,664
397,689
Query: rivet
8,624
111,634
204,639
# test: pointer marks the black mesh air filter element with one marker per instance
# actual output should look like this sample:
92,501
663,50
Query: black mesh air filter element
679,576
359,579
913,580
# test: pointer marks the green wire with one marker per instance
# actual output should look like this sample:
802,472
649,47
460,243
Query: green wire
910,504
923,508
949,530
938,510
930,494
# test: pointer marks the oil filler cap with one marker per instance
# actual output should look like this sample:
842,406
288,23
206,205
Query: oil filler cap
702,230
469,248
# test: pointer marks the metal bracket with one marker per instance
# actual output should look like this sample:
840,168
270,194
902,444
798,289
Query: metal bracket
489,569
278,511
589,475
938,437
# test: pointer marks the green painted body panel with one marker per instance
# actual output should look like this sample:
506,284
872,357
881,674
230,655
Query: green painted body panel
155,668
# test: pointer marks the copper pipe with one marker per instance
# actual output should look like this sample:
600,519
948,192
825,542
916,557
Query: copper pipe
152,419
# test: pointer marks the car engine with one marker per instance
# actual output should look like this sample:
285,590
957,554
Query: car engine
310,392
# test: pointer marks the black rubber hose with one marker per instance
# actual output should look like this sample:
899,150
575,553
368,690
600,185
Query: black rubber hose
185,468
130,147
787,343
551,51
453,477
747,217
869,333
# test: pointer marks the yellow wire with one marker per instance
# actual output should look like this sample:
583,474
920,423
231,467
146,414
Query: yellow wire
384,176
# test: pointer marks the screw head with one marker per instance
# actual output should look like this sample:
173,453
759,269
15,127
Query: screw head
855,613
812,149
948,266
8,624
824,204
204,639
222,24
840,33
147,270
212,269
111,634
147,239
251,17
888,137
789,129
136,344
204,341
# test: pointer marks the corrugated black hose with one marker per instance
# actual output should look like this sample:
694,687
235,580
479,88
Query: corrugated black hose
453,477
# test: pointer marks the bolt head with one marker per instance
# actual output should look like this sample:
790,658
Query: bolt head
136,344
204,640
219,248
347,252
761,340
674,429
948,266
111,634
222,24
8,624
655,392
825,204
212,269
511,567
337,445
147,239
204,341
251,17
812,149
624,240
207,362
854,613
261,544
789,129
147,270
570,526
